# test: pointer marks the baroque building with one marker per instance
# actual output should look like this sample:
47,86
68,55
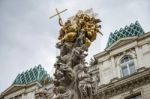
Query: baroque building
122,70
27,84
124,66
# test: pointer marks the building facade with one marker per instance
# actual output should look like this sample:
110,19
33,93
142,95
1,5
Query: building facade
28,83
124,66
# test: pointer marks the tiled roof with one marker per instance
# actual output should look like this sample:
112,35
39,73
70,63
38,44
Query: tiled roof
128,31
34,74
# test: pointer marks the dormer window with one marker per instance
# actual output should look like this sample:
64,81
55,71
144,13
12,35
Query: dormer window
127,66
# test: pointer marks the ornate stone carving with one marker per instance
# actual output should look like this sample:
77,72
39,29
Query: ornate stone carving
72,81
85,84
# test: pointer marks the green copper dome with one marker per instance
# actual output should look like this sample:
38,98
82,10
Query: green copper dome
34,74
128,31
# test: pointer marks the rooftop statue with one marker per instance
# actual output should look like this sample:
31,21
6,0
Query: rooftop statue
71,77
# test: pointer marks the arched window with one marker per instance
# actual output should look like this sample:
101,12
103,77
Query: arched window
127,65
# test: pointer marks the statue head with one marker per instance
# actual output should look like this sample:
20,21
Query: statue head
85,69
56,82
57,64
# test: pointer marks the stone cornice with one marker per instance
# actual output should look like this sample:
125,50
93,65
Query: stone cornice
124,84
138,39
17,87
122,42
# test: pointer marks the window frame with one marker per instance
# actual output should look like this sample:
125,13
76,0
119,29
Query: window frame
127,65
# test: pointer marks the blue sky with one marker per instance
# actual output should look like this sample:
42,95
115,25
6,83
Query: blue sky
28,37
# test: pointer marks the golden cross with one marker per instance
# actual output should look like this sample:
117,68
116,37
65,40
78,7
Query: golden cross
58,13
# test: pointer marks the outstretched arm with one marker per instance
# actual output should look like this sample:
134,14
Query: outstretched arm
60,22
